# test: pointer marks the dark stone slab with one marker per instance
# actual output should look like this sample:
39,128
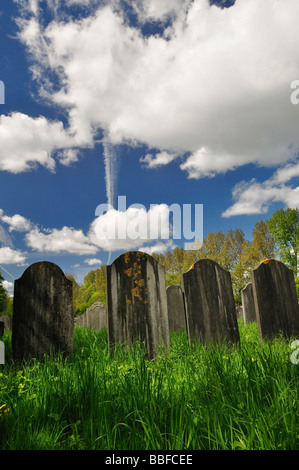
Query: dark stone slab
210,307
42,312
249,314
137,303
7,321
176,308
275,299
1,329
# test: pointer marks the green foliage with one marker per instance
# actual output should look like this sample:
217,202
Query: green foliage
93,290
284,227
297,285
231,250
4,299
190,398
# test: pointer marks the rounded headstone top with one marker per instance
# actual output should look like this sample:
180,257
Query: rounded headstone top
42,266
129,255
202,263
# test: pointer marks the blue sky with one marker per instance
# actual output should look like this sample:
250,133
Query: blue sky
162,101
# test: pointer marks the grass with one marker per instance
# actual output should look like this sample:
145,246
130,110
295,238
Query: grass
213,398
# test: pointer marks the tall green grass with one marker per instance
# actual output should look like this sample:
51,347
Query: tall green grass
191,397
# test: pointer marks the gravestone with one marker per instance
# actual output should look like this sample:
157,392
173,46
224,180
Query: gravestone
248,304
1,329
95,317
275,299
176,307
2,353
137,302
239,311
210,307
7,322
42,312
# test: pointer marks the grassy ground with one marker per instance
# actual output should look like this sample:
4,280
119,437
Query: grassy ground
190,398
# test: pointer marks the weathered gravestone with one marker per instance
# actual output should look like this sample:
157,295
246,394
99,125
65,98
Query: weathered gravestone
239,311
275,299
42,312
137,303
210,307
248,304
95,317
7,322
1,329
2,353
176,307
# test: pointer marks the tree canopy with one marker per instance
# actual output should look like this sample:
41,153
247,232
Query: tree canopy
284,228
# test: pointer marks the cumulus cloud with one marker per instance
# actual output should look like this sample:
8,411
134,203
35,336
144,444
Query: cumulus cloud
126,230
160,159
158,247
27,142
157,10
93,262
17,222
253,197
8,286
5,238
114,230
215,86
10,256
67,240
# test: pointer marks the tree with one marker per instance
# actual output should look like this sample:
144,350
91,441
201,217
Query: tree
4,299
284,228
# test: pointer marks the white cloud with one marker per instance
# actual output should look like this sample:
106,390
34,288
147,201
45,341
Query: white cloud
254,197
117,230
27,141
10,256
216,86
67,240
68,156
157,10
158,247
8,286
93,262
160,159
17,222
5,238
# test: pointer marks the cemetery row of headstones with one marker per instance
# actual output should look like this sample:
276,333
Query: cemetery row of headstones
139,307
95,317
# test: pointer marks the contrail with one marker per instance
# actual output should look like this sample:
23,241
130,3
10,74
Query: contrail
111,170
7,272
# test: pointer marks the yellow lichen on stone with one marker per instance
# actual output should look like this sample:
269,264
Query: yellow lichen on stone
265,261
191,267
128,272
135,291
128,301
127,257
